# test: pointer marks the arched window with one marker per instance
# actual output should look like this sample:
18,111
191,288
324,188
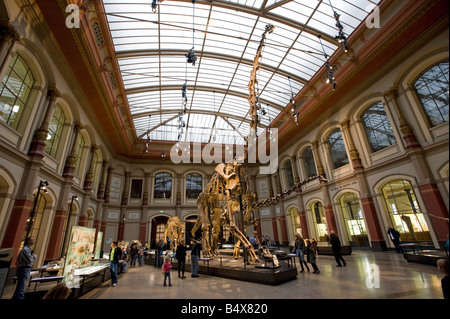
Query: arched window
288,174
163,186
194,185
338,152
320,221
55,131
79,154
378,129
14,91
308,162
404,211
354,219
432,89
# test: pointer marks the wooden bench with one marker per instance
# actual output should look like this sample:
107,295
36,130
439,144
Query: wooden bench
45,279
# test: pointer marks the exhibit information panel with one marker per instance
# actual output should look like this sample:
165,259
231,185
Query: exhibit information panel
98,245
79,253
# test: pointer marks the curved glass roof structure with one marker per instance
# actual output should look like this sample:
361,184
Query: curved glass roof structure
151,50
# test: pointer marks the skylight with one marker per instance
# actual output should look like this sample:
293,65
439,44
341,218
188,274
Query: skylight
151,48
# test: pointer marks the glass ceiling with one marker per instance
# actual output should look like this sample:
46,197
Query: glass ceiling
151,51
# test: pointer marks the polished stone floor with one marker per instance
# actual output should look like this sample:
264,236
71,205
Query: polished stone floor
368,275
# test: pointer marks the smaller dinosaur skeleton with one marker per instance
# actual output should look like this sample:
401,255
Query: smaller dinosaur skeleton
173,232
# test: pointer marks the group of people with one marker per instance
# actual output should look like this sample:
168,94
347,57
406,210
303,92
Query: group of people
310,249
302,248
180,254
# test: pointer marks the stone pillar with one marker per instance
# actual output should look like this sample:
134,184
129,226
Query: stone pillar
294,169
90,174
40,136
354,154
284,231
408,135
125,189
108,184
145,198
8,37
374,229
302,215
101,187
70,161
435,205
275,229
320,169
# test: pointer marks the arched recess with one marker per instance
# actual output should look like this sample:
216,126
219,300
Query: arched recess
157,226
293,222
40,220
403,208
317,222
8,186
351,218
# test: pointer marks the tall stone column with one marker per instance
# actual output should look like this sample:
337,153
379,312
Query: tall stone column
145,198
90,174
302,215
108,184
101,187
71,159
125,189
8,38
315,148
40,136
295,169
408,135
354,154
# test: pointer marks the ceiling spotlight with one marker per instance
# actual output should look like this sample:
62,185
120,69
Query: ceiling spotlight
155,4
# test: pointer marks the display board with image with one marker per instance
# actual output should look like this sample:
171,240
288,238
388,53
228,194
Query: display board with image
79,252
98,245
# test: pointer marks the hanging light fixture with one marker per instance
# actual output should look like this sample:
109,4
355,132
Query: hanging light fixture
341,37
155,5
147,144
191,58
330,72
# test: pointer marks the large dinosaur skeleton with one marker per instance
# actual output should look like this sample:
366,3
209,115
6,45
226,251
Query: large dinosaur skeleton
227,199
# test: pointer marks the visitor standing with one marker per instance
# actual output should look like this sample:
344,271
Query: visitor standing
166,270
181,257
336,247
311,251
299,247
133,254
395,237
141,256
195,255
25,262
114,256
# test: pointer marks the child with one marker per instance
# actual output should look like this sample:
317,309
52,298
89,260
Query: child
166,270
311,250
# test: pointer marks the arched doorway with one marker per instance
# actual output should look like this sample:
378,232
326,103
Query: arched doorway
295,220
354,220
319,221
158,227
404,211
